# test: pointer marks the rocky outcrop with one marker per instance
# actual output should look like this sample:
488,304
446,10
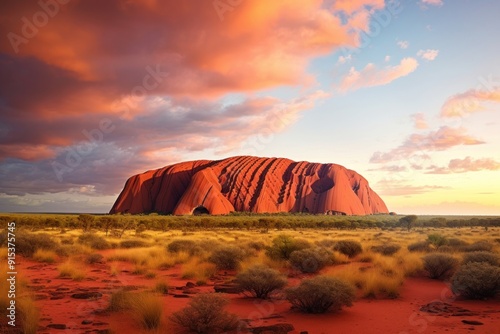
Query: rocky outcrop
249,184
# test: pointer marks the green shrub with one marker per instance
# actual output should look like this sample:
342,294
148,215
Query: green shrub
133,243
205,314
420,246
260,281
386,249
350,248
476,280
440,266
184,245
437,239
93,241
311,260
256,245
487,257
320,294
227,258
283,246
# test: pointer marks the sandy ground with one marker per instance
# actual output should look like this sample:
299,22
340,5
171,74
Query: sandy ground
403,315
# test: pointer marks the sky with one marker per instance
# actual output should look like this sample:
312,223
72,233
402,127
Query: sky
406,93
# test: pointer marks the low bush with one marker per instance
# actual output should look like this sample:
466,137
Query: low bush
386,249
479,246
161,286
476,280
456,243
320,294
133,243
440,266
94,258
205,314
350,248
28,243
184,245
487,257
420,246
227,258
284,245
311,260
93,241
437,239
260,281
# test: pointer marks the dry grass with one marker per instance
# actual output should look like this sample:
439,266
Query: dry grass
198,270
147,309
149,257
43,255
29,315
72,270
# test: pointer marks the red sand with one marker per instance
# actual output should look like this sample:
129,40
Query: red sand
400,316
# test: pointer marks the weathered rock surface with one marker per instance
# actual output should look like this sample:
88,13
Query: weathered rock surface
249,184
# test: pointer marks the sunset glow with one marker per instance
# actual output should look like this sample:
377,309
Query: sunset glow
406,93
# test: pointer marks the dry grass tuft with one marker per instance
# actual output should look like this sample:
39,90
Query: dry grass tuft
72,270
43,255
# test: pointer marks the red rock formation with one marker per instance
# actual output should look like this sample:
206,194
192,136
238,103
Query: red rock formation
249,184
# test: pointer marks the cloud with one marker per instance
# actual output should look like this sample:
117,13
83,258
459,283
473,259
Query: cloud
469,102
467,164
403,44
387,187
371,76
343,60
432,2
420,122
442,139
352,6
387,58
428,54
391,168
163,132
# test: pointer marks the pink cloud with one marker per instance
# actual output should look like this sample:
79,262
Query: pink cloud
469,102
442,139
467,164
428,54
387,187
419,120
432,2
371,76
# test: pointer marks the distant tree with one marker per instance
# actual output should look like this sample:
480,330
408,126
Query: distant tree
107,222
408,221
86,221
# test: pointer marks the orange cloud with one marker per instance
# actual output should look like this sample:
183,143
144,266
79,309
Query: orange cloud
442,139
372,76
469,102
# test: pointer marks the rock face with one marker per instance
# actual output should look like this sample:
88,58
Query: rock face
249,184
